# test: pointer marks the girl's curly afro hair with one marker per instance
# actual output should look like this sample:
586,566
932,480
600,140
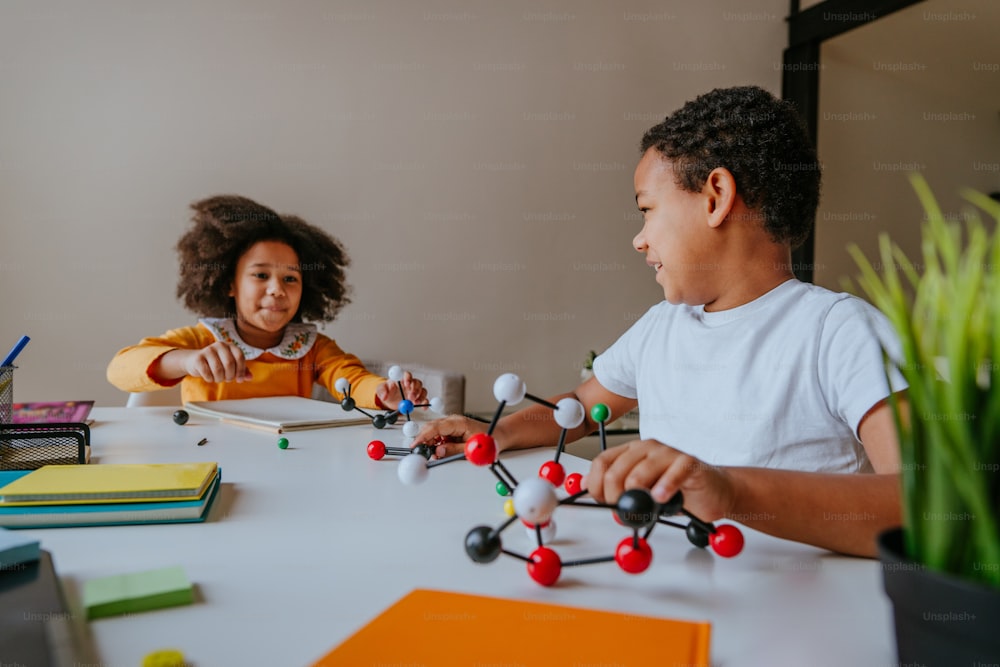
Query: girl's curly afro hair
226,226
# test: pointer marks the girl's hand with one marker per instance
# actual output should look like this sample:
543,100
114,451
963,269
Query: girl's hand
387,393
219,362
708,490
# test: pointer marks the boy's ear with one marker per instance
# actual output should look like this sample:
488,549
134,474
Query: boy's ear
720,195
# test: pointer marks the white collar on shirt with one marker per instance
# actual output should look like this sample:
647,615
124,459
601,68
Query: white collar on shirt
295,344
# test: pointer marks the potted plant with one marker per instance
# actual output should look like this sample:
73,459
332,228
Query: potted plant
942,568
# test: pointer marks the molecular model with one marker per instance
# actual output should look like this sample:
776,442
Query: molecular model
535,500
389,417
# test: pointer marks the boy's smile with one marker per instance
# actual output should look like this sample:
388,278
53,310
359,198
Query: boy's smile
267,290
675,237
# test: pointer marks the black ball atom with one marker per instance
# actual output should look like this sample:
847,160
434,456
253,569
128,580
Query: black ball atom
347,404
181,417
673,506
697,535
637,509
378,421
424,450
482,544
392,418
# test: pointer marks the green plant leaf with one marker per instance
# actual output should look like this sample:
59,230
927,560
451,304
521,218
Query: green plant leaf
947,318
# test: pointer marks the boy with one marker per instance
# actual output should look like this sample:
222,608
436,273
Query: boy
757,392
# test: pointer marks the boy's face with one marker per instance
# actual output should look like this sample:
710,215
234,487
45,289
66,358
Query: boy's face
677,241
267,290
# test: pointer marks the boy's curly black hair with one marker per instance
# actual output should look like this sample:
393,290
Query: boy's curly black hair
225,227
760,140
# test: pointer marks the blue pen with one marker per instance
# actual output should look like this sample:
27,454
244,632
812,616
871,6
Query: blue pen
14,351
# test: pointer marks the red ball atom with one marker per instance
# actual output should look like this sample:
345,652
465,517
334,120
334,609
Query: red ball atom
480,449
631,558
553,472
544,566
376,450
574,483
727,540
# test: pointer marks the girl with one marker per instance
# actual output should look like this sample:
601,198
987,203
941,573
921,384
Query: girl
254,277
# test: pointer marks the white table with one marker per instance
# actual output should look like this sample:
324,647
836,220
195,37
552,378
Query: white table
305,545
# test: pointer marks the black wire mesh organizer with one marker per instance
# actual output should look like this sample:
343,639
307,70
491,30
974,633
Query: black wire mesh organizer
31,446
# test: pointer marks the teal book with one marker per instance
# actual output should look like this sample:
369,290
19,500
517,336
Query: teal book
16,550
106,514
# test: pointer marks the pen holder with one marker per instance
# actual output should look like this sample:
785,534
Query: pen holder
31,446
6,393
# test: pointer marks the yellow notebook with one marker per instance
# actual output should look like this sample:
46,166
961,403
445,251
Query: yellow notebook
439,628
109,483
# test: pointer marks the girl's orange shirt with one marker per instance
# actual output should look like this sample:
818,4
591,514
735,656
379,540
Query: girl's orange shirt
272,375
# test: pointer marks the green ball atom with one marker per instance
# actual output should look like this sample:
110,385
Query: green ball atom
600,413
282,443
502,489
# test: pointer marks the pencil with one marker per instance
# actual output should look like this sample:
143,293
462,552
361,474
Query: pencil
14,351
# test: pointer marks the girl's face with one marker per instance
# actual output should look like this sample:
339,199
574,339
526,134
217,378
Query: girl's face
267,290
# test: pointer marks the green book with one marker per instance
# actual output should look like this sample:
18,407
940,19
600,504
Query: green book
135,592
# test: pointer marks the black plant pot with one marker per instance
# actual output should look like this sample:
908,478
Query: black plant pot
941,620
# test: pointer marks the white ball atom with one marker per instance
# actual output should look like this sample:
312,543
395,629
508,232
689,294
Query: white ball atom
342,385
509,388
437,405
535,500
410,429
412,470
395,373
568,413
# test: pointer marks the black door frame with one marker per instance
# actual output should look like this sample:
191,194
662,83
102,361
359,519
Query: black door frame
807,30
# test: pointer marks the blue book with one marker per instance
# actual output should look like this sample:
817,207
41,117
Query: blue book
105,514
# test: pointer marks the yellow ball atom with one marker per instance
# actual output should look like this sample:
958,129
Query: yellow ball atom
164,658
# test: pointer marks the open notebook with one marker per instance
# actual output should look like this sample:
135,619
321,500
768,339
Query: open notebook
277,413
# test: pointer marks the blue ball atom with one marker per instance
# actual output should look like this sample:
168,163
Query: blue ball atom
405,406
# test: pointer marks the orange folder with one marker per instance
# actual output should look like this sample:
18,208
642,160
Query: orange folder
428,627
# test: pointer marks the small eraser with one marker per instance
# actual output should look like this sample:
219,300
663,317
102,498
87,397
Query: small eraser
15,550
135,592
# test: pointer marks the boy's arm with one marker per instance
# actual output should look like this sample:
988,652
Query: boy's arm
532,426
840,512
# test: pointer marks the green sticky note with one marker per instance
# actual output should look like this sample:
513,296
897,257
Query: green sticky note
135,592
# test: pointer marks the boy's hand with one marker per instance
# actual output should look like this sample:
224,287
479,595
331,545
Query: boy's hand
219,362
387,393
709,491
448,435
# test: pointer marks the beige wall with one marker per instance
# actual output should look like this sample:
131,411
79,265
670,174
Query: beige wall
475,158
916,91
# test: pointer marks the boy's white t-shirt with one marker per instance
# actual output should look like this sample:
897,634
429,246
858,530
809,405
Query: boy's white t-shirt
780,382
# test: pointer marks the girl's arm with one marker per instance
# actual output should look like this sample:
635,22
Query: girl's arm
129,370
219,362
